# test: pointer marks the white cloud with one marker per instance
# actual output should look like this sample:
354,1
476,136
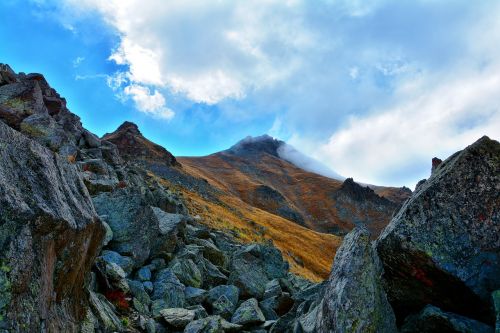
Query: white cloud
147,102
206,51
430,120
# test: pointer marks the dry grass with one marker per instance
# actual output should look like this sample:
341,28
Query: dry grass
315,251
309,253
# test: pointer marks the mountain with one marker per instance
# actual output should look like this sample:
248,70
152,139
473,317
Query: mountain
256,171
221,209
115,234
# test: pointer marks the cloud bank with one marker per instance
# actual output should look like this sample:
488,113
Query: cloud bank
373,89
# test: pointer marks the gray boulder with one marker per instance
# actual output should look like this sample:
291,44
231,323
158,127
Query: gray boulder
139,230
254,266
354,299
442,246
211,324
168,290
431,319
126,263
178,317
187,272
248,313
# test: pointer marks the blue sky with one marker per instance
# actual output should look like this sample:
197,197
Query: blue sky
373,89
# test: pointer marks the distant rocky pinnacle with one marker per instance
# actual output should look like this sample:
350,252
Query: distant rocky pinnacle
93,239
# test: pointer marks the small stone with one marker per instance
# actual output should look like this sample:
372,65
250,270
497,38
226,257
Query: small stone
148,286
144,274
273,288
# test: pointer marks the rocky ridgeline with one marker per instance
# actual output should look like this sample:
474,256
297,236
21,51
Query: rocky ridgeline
91,241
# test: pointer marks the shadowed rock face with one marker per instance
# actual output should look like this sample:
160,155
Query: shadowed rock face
443,247
49,237
134,146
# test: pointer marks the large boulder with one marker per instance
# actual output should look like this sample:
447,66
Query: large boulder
443,247
139,230
49,237
354,299
253,266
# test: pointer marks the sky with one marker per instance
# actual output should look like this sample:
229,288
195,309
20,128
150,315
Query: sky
372,89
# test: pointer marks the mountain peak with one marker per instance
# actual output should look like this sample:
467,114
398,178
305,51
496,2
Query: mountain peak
258,144
129,127
134,146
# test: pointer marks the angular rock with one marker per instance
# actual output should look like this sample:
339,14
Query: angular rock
187,272
273,288
212,253
138,291
231,292
114,275
148,286
276,306
212,276
105,313
199,311
126,263
195,295
49,236
211,324
354,299
442,246
178,317
255,265
168,289
139,230
248,313
223,307
432,319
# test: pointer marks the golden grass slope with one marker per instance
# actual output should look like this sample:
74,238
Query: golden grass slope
309,253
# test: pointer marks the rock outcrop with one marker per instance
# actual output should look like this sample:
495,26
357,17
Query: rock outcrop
355,300
443,247
133,145
49,237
